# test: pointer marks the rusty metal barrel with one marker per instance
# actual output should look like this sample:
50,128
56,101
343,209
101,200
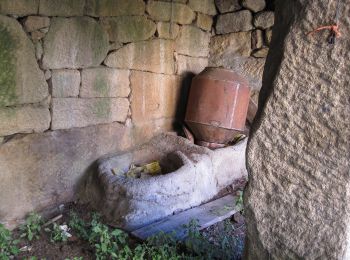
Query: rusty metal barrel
217,106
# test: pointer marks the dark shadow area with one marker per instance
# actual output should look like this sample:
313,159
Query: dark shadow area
183,97
283,20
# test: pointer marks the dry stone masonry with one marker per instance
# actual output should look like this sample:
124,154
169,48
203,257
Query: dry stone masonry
243,34
69,65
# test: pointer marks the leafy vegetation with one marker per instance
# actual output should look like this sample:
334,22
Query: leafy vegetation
108,243
57,234
32,227
7,244
79,226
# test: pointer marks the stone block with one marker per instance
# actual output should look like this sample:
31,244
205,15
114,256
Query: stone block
203,6
241,21
296,203
186,64
204,21
21,80
79,112
257,39
268,36
147,130
254,5
251,68
44,30
155,55
61,7
115,46
175,1
226,6
153,96
167,30
37,36
224,47
25,119
19,7
33,23
39,51
192,41
261,53
65,83
104,82
74,43
166,11
98,8
48,74
129,28
50,167
264,20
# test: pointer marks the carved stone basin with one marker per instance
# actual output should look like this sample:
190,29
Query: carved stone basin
191,176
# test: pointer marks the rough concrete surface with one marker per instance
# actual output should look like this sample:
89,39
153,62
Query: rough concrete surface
297,199
193,175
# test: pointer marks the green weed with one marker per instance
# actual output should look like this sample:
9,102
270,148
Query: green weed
8,246
57,234
32,227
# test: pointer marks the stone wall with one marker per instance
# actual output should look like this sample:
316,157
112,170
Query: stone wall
73,70
243,35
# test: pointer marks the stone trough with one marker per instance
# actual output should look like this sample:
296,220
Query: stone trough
191,175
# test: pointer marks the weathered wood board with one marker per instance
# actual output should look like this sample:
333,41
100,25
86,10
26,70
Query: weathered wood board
206,215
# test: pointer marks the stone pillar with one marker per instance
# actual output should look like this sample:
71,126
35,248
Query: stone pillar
297,199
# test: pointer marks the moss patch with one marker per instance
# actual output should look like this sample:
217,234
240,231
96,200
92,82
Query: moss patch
102,108
7,67
93,35
101,87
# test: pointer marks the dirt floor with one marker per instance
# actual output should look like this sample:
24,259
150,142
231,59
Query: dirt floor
229,234
43,248
228,231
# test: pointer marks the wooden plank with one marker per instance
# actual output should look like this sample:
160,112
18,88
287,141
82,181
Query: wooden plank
207,215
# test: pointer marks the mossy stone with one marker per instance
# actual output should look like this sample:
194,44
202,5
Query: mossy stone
19,7
167,11
61,7
104,82
114,7
7,67
101,86
80,112
82,36
129,28
21,80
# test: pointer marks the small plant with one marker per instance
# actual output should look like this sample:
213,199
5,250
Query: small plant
32,227
196,243
57,233
7,245
107,243
163,246
79,226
